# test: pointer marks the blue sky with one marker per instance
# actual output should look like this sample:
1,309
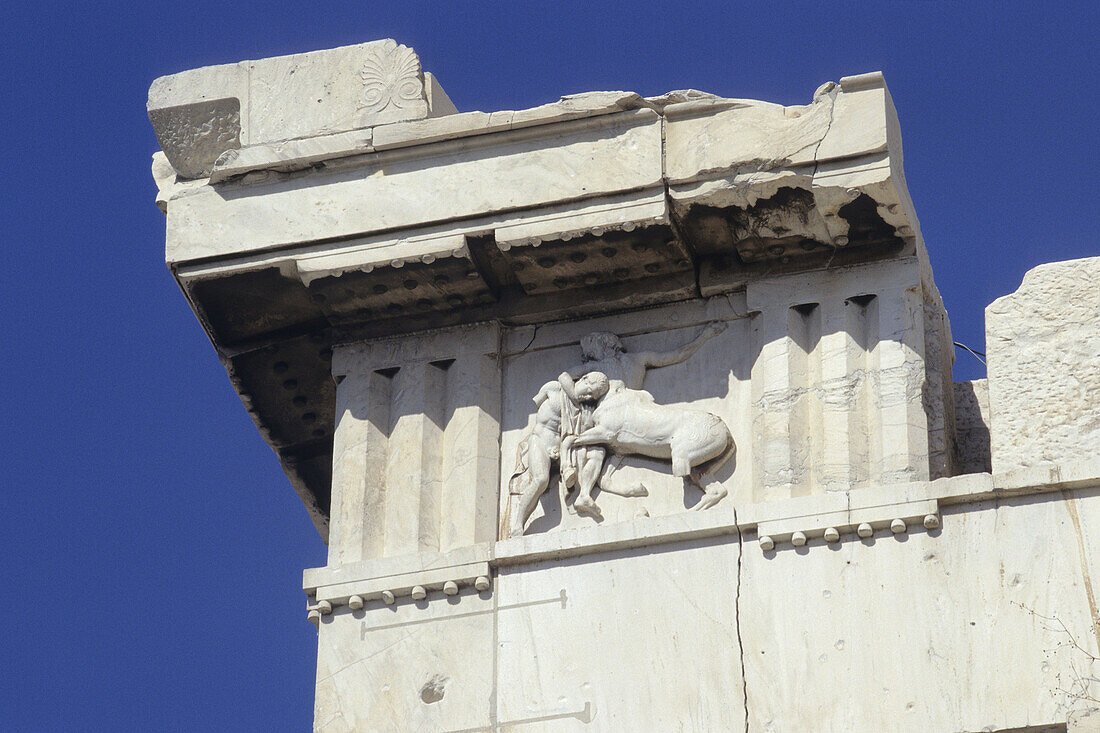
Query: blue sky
152,548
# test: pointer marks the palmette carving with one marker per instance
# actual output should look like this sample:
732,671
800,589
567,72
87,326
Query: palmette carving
598,407
391,79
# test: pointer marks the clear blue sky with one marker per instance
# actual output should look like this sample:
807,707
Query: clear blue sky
152,549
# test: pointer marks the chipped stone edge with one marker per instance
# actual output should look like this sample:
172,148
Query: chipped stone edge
302,153
291,155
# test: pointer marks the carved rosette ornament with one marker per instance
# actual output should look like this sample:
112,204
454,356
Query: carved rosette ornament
391,77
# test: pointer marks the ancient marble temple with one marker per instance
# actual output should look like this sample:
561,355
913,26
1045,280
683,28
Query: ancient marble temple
637,414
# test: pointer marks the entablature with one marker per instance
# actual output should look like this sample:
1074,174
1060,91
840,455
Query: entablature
292,229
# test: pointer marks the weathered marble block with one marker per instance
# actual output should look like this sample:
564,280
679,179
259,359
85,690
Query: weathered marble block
1043,350
203,116
972,446
417,433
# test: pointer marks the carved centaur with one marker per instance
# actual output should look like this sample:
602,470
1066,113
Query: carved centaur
558,418
628,421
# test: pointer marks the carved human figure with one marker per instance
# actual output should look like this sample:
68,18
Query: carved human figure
538,450
628,421
557,418
604,352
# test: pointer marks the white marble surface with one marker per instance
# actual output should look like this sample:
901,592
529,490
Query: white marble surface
838,368
1043,350
724,152
415,455
647,639
952,629
821,403
373,665
396,189
326,206
935,630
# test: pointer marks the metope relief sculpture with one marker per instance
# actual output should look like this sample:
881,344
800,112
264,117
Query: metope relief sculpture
596,413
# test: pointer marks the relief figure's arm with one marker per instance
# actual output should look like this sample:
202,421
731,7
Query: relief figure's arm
544,393
595,435
655,359
569,387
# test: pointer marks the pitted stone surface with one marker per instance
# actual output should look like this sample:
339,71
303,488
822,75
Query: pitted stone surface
195,135
1043,351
